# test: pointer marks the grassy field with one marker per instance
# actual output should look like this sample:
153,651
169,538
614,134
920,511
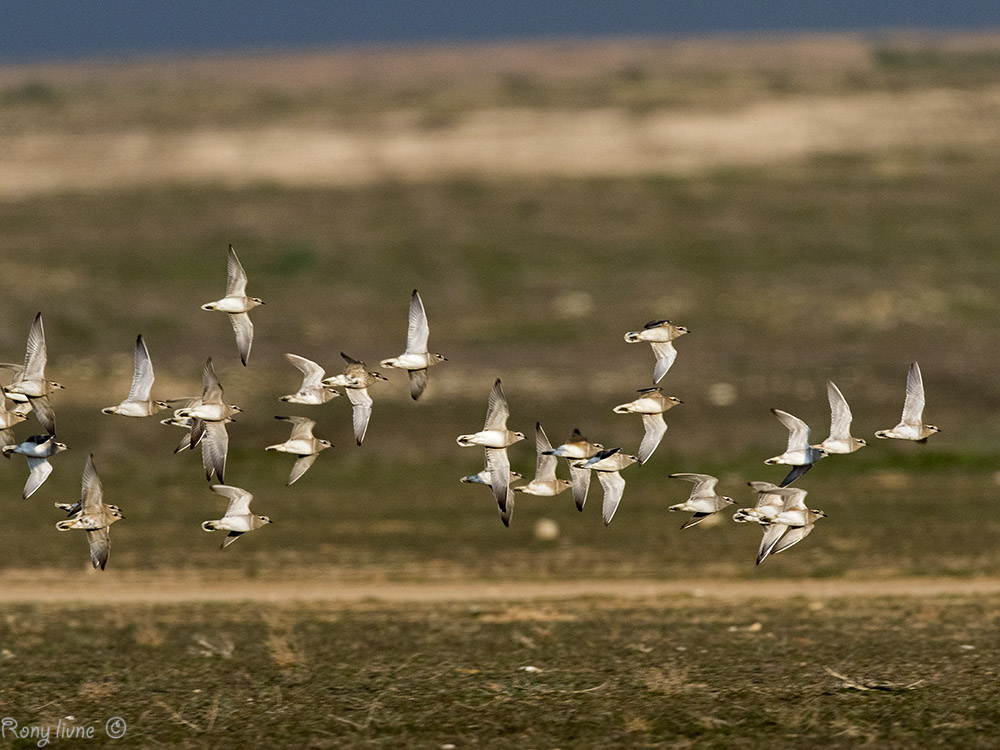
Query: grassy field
843,256
588,673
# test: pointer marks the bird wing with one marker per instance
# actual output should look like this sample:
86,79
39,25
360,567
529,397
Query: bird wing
614,486
498,465
769,496
580,479
142,375
302,427
795,498
793,537
418,330
239,499
38,471
236,282
361,402
545,466
211,388
196,433
704,484
312,373
185,443
913,406
92,496
100,546
497,411
45,413
770,538
301,466
695,519
798,431
665,356
214,448
231,537
795,473
655,429
36,354
840,413
418,382
243,327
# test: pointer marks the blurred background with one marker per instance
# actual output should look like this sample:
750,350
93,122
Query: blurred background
813,193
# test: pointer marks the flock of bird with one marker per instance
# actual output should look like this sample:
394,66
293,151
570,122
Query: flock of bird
779,509
203,418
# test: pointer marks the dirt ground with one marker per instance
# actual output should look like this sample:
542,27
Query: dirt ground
142,588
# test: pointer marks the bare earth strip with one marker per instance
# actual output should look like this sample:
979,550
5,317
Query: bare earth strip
152,588
504,143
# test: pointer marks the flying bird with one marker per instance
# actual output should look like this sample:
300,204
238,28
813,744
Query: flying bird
238,305
29,383
840,440
495,438
209,415
703,501
38,449
651,404
799,454
545,483
608,464
92,515
355,381
416,359
139,403
770,502
911,426
483,477
238,519
660,334
302,443
578,447
789,527
312,390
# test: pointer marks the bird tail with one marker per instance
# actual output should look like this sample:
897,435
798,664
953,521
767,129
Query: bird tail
209,526
65,525
632,337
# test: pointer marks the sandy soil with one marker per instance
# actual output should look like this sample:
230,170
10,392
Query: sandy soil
162,588
506,143
758,127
